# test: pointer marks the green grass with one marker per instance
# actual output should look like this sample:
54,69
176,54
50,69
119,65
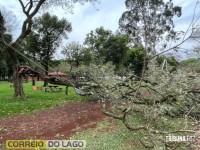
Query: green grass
112,135
106,136
109,136
115,136
35,100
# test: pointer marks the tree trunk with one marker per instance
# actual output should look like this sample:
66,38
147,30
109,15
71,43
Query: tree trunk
17,78
46,73
17,81
47,58
33,81
26,29
70,68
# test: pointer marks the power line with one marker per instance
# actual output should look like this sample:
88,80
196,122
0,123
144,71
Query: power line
27,57
21,54
32,49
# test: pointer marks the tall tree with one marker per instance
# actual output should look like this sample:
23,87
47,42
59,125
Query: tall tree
88,56
4,59
32,46
148,21
116,48
73,52
51,30
95,41
2,56
2,32
107,46
133,60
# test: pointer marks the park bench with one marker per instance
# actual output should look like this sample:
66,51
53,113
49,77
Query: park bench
52,89
47,89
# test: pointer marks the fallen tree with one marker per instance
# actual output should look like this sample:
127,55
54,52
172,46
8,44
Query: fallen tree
168,103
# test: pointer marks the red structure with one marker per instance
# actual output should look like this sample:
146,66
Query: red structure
61,75
50,74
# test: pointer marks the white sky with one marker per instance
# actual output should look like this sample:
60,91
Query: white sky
89,17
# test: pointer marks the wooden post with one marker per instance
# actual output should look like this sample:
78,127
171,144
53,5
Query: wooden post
66,90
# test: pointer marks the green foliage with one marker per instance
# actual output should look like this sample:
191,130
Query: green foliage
106,46
5,67
32,46
95,41
134,59
170,60
36,100
2,22
63,66
158,98
2,30
147,22
87,56
73,54
116,49
48,32
191,64
189,61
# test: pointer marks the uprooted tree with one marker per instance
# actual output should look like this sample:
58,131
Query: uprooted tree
167,103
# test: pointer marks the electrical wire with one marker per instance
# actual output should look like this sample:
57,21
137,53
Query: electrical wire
33,49
27,57
21,54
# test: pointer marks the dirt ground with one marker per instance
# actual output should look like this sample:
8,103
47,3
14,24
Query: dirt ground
51,124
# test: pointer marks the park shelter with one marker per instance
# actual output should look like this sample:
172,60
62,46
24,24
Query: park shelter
50,74
61,75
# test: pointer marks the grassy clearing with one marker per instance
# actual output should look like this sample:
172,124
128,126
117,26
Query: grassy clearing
108,135
111,135
36,100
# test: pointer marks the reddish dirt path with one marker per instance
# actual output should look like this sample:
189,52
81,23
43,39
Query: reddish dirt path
52,124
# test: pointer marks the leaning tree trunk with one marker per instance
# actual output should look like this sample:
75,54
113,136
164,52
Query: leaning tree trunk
26,29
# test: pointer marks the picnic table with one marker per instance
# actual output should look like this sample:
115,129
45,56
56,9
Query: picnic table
52,88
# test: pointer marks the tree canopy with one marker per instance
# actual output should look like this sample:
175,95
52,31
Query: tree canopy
72,52
147,21
48,32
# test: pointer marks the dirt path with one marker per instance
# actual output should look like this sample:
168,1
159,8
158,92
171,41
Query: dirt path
52,124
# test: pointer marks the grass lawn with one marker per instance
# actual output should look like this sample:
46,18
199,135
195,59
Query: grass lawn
109,135
36,100
112,134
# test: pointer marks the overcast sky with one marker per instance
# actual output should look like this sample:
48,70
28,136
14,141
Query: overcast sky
88,17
